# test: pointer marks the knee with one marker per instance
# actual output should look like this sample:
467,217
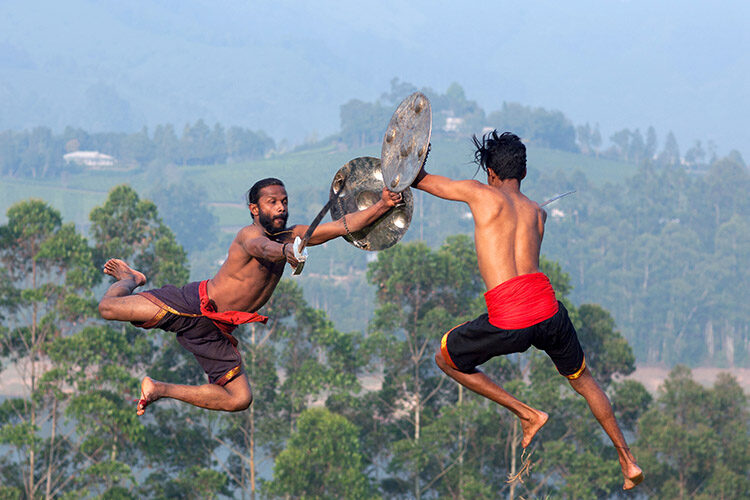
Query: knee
242,402
106,310
440,361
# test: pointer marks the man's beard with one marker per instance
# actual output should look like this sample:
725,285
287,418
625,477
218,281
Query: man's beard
267,222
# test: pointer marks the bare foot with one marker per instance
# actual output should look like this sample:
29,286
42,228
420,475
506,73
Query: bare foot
633,475
149,394
531,427
121,271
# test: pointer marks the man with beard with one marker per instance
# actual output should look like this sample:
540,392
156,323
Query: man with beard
203,314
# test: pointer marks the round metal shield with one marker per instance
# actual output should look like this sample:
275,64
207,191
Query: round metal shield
358,185
406,141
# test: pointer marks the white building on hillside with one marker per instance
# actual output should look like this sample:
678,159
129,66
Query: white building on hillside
93,159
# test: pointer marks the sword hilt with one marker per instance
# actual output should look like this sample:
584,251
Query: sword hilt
300,253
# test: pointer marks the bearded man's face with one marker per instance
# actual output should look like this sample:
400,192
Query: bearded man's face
273,208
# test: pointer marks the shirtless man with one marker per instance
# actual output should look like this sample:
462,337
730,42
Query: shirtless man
521,304
203,314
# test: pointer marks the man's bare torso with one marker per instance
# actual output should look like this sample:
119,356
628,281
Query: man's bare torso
508,232
244,282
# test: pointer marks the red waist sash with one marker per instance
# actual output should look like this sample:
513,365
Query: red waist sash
227,321
521,302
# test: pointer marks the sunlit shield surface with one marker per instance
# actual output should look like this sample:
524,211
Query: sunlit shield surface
406,141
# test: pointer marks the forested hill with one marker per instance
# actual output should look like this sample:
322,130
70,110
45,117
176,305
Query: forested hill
661,244
356,416
654,235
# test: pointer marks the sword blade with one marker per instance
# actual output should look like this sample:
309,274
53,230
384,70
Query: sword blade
555,198
314,224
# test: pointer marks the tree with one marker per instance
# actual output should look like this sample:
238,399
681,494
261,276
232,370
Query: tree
670,155
694,441
420,293
321,460
195,144
315,358
551,129
363,123
96,362
583,136
651,144
398,92
138,147
181,441
621,141
243,144
49,274
695,156
184,209
608,352
127,227
596,139
637,148
166,144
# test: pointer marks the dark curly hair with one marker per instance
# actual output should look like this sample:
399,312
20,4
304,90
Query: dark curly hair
503,154
254,192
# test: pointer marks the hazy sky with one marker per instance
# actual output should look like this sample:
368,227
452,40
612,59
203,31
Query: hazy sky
286,67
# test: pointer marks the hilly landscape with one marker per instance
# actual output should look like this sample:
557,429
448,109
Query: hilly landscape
134,129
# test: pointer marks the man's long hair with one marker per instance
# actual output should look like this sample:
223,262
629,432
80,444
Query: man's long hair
503,154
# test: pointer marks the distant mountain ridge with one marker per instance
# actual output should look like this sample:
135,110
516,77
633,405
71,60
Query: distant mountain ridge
287,67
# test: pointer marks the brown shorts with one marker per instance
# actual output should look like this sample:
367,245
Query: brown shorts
179,312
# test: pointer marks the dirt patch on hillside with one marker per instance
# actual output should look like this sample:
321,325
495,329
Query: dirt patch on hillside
653,376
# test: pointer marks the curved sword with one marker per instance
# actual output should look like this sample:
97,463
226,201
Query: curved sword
300,243
555,198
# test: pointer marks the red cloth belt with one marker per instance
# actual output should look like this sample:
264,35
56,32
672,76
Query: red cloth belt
521,302
226,321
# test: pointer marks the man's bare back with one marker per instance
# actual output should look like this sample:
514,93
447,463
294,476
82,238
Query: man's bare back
522,307
508,232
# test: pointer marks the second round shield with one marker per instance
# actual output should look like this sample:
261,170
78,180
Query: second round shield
406,142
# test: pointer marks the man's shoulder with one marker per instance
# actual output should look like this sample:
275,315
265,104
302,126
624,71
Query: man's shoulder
489,194
473,190
250,231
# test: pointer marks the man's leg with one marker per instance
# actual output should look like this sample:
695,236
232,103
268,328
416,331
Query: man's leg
598,402
118,302
234,396
531,419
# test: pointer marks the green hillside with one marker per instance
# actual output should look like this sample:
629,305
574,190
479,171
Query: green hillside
334,278
306,173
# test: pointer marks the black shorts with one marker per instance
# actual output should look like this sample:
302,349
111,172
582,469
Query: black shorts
472,343
180,313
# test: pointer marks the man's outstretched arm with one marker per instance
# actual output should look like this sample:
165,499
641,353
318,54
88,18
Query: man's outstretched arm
447,188
354,221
